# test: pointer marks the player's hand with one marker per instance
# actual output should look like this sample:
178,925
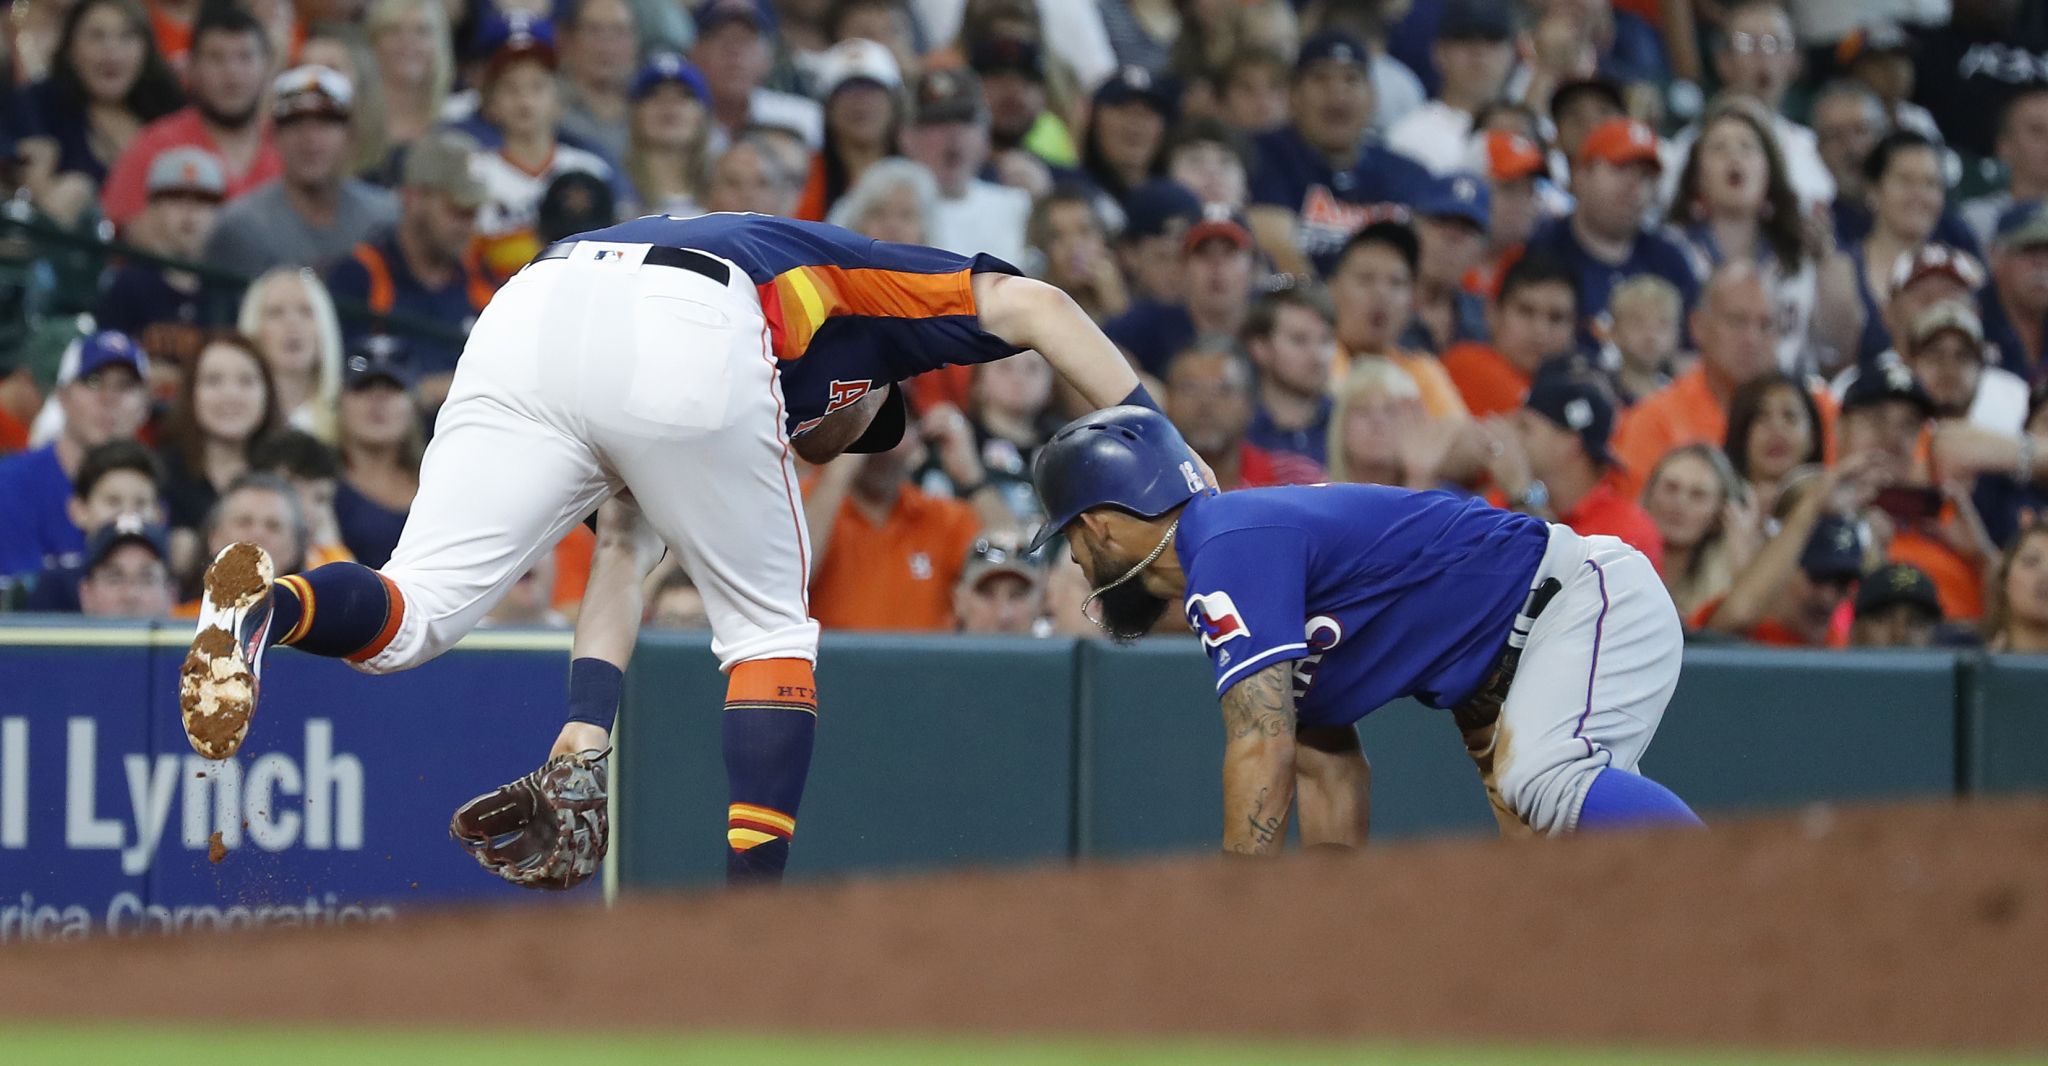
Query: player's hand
580,736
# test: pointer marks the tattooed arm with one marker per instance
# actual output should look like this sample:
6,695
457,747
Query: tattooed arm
1258,761
1334,786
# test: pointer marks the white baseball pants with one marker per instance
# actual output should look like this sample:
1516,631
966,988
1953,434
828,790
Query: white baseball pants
592,373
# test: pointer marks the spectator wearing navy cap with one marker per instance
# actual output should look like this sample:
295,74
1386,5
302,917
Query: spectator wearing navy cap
1933,527
1605,239
1551,460
600,48
165,309
1896,607
521,102
2015,304
127,572
1451,224
1474,51
1793,594
948,134
733,50
1317,180
101,397
381,445
1214,256
1125,144
669,147
861,86
316,212
1148,248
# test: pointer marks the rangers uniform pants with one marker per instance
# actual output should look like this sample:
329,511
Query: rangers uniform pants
590,374
1601,662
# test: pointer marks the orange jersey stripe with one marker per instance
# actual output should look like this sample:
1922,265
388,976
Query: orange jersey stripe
772,681
800,301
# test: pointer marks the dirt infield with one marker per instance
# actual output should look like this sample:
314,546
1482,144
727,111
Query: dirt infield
1920,926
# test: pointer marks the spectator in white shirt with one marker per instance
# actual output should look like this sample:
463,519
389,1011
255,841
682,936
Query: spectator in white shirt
1474,52
1758,57
948,133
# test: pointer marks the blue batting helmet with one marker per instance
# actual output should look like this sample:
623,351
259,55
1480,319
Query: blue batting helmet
1130,458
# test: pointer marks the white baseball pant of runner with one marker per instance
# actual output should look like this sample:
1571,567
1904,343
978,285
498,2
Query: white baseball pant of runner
593,373
1599,668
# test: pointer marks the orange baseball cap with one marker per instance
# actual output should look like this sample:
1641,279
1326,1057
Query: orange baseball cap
1621,142
1510,156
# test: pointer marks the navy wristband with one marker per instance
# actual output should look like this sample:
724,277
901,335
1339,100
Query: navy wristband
594,690
1140,398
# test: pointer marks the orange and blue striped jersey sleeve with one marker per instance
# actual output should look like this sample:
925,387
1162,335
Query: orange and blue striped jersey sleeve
846,313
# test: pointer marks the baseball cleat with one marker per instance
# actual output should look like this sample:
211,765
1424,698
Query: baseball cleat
217,686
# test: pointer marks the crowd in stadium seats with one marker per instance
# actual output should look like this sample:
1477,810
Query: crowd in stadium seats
1759,286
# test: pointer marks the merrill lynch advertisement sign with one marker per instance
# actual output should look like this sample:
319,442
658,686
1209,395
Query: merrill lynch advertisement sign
334,812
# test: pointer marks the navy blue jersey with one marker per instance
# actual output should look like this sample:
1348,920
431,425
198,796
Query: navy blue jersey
1653,253
1376,592
1332,204
846,313
35,526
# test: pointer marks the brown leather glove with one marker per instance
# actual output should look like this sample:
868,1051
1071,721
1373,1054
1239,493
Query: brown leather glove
547,829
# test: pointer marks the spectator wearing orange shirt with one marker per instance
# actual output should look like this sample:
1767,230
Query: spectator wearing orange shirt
1796,592
1933,527
889,554
1372,291
228,74
1550,460
1736,327
1209,399
1534,318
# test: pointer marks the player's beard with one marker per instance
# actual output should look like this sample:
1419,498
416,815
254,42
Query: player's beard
1129,612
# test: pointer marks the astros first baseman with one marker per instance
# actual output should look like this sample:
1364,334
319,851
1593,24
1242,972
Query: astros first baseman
676,363
1318,604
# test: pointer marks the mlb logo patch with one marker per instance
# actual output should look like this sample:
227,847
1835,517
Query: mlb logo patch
603,254
1216,618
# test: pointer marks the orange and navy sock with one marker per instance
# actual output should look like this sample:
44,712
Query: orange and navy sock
771,718
341,610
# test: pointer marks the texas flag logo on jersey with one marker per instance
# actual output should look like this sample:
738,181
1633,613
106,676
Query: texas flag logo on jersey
1215,617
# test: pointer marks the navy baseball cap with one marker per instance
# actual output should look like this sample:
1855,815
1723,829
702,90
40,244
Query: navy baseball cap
1896,583
90,354
1151,208
1834,551
1885,384
379,357
1579,402
1134,82
126,529
664,68
1476,20
1458,196
1332,46
1601,87
716,13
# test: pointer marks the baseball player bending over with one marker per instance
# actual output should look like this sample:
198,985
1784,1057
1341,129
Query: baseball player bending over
1556,653
674,364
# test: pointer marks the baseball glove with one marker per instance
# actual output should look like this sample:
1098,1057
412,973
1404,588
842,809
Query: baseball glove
545,830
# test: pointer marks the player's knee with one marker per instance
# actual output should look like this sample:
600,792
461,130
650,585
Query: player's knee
1543,793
